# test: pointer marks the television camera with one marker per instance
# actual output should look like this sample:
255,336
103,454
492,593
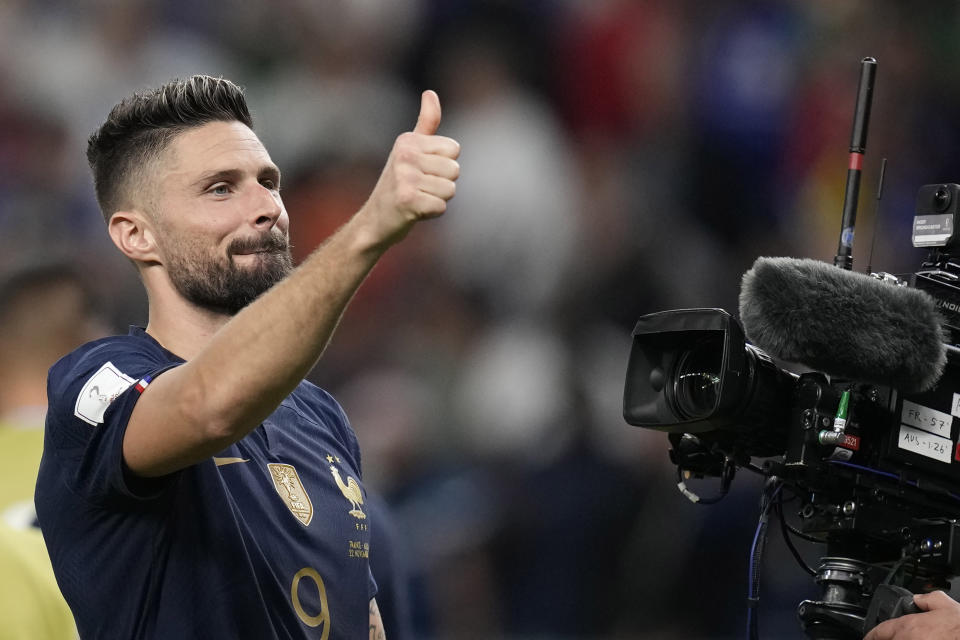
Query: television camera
867,443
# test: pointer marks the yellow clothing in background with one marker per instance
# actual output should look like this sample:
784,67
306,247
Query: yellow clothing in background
20,451
31,607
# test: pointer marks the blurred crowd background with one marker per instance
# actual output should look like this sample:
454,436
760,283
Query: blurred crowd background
619,157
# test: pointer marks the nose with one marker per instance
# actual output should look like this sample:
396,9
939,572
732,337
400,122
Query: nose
267,207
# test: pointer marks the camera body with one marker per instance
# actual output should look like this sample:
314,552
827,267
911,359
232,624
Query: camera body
877,469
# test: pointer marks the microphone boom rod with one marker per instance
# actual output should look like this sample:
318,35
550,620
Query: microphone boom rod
858,146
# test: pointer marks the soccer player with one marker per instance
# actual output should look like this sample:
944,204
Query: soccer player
193,484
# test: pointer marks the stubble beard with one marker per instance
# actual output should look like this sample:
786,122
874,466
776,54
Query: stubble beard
217,283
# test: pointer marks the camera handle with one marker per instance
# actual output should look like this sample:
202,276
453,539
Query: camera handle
841,613
889,601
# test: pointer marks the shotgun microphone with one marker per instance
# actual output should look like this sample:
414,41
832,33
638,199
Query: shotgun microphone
843,323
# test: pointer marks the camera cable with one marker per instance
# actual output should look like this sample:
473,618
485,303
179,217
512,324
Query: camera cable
771,490
929,487
786,529
909,555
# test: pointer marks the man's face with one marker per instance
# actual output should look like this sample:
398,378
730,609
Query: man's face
222,227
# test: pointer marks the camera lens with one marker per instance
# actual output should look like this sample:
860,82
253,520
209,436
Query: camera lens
941,199
697,382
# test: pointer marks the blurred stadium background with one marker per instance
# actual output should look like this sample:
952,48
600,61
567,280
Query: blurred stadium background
619,157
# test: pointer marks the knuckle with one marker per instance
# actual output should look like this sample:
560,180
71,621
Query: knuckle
406,196
404,154
406,173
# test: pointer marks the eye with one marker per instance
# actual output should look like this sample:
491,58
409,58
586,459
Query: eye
220,189
270,184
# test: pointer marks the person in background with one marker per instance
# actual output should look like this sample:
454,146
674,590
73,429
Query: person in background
46,310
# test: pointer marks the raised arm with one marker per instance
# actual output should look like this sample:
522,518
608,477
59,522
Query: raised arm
257,358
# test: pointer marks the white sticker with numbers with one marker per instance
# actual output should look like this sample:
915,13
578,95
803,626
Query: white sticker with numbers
925,418
926,444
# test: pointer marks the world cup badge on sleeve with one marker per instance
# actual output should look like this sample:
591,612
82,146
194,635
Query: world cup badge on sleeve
99,392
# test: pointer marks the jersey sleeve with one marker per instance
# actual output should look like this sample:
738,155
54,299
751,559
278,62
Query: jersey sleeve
91,394
348,435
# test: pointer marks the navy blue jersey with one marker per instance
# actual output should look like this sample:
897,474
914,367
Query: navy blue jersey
267,539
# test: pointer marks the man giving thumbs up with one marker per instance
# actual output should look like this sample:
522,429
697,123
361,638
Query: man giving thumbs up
193,484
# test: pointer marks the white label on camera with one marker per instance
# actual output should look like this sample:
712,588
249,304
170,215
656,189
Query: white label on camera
926,418
932,229
925,444
955,407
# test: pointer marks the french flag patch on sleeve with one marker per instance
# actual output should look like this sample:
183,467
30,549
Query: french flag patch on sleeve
142,384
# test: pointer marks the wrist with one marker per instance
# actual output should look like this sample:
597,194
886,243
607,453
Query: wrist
368,233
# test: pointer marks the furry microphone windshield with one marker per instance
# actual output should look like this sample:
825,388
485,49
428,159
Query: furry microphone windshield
843,323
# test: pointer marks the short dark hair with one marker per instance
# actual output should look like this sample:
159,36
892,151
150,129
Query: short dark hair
141,126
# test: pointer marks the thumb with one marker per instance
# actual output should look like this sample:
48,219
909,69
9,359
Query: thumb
429,120
932,600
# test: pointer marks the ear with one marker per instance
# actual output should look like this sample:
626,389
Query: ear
133,233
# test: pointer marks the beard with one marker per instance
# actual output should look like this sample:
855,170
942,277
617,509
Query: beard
218,283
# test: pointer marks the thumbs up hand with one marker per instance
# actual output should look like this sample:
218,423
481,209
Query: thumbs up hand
429,119
417,181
